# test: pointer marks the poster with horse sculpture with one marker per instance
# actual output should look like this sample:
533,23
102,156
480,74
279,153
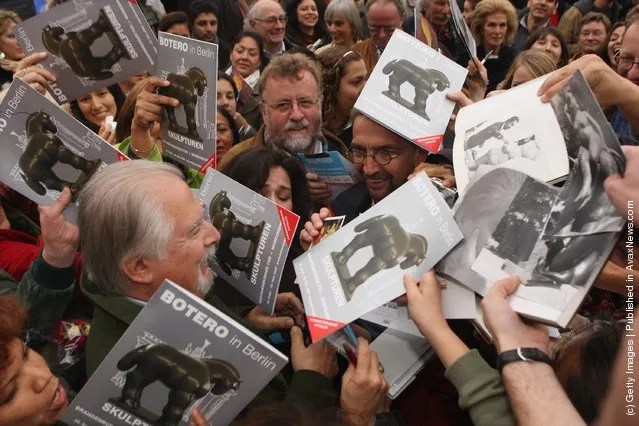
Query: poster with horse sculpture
255,238
44,149
406,91
89,44
188,130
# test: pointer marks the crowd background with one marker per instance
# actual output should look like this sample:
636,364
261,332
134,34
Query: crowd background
72,291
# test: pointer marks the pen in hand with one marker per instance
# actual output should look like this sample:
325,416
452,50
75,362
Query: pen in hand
486,57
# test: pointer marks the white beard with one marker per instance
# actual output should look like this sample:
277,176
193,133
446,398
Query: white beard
204,285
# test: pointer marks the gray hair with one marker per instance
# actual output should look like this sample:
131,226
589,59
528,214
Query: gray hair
349,10
119,218
253,13
397,3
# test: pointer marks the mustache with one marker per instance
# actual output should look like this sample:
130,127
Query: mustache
209,255
297,125
377,176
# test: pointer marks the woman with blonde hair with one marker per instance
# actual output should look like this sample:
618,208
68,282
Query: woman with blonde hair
528,65
494,25
10,51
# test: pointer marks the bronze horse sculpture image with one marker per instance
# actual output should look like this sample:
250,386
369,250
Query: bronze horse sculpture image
230,228
425,82
187,378
43,151
186,88
390,243
75,48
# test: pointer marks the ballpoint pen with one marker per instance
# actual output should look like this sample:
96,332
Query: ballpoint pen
487,56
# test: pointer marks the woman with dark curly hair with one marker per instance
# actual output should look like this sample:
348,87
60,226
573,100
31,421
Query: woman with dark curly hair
550,40
304,27
344,75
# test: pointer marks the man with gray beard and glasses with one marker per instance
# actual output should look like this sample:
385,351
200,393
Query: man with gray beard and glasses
291,106
140,224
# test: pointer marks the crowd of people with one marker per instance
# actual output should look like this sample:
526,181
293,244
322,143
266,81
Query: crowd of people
305,63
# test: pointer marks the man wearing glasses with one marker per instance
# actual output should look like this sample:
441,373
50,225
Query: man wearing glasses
384,160
383,17
291,106
267,18
627,67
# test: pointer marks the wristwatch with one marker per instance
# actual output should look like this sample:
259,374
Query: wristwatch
522,354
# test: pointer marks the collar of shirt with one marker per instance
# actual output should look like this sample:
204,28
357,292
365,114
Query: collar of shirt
523,23
137,301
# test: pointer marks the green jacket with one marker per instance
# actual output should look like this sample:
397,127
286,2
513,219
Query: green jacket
193,177
44,290
113,315
481,391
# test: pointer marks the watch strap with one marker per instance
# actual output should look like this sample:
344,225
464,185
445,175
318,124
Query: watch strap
522,354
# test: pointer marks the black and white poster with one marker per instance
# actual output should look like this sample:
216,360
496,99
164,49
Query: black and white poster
512,130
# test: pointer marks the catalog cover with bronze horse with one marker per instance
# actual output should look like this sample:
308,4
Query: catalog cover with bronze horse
188,130
179,354
44,149
406,91
255,237
90,44
361,266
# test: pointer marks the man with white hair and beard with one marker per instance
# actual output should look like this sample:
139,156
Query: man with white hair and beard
291,106
140,224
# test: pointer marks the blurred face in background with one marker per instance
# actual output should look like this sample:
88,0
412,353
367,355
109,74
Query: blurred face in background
551,44
97,106
340,30
245,56
9,44
383,19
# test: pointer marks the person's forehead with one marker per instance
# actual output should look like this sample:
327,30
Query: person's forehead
593,25
247,42
290,87
369,134
223,86
206,16
270,9
630,42
382,11
497,17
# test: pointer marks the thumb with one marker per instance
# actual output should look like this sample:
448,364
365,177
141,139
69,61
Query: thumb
33,59
506,287
277,323
412,292
297,340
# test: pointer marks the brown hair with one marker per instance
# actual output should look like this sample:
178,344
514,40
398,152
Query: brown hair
596,17
12,319
127,111
334,60
6,17
173,18
484,9
290,66
537,63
